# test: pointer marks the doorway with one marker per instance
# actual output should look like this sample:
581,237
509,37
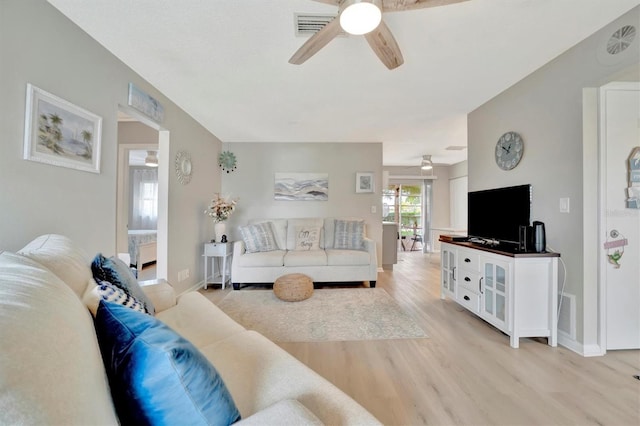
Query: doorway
619,215
142,194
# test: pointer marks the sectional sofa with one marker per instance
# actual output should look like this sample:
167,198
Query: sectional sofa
52,371
329,250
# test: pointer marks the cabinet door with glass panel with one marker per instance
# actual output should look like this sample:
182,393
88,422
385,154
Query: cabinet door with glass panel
448,277
494,288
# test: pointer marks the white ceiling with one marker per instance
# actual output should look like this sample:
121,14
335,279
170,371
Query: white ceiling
225,62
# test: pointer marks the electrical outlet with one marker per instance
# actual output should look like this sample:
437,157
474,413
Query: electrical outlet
565,205
183,275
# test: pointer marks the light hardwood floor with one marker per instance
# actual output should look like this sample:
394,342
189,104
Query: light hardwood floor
465,372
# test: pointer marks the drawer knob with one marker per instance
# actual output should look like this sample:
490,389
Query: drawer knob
467,298
467,279
466,259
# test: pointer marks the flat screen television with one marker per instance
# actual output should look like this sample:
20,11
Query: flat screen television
496,214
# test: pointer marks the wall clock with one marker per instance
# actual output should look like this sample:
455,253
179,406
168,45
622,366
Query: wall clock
184,168
509,150
227,160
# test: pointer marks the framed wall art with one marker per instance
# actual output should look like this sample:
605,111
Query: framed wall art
60,133
364,182
301,186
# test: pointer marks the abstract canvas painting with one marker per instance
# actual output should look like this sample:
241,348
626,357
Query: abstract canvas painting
301,186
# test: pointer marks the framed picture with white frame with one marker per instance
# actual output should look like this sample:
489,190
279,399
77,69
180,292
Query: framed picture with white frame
60,133
364,182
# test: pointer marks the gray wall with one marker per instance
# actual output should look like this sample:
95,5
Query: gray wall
546,109
39,45
253,182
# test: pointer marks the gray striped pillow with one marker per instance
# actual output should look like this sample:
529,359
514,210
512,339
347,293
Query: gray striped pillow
115,294
259,237
349,235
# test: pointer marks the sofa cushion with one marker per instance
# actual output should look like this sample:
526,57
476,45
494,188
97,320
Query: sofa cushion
279,229
51,371
270,258
305,258
198,320
156,376
337,257
288,412
259,237
349,234
295,226
63,257
116,272
259,373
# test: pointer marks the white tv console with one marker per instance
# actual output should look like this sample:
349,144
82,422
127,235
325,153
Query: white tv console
515,292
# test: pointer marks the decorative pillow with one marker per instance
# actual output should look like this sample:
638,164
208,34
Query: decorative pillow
110,293
258,237
116,272
155,375
349,234
307,238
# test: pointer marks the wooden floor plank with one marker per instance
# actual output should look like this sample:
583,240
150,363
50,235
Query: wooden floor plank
466,373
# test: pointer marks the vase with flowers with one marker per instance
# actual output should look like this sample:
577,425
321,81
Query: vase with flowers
219,210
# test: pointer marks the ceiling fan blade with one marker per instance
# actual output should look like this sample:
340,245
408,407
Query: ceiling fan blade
385,46
317,42
396,5
331,2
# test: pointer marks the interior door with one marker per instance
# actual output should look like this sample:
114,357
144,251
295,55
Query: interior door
620,225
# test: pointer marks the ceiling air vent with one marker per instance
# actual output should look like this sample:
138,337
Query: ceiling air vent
455,148
621,39
307,24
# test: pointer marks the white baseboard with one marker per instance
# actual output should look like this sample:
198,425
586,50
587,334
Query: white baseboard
585,350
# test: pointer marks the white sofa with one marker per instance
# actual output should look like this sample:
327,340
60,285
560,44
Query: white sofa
51,370
326,264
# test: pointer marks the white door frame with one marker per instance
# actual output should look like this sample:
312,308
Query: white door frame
602,228
163,188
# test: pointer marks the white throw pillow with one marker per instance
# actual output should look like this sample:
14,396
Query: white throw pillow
307,238
258,237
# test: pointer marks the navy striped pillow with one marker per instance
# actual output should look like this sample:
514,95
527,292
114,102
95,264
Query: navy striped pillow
112,293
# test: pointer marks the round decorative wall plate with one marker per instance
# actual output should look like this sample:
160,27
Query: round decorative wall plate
184,168
227,161
509,150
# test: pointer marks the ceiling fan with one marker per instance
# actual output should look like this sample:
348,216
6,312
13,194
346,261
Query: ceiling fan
364,17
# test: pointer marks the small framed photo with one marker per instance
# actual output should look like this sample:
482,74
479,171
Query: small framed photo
60,133
364,182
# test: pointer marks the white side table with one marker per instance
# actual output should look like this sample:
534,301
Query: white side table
217,253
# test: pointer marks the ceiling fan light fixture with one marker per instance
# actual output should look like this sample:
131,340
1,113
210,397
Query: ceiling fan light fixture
151,160
360,16
426,164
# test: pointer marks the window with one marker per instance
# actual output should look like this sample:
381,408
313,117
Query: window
409,205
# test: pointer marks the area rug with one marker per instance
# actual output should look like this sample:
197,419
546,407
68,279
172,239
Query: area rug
339,314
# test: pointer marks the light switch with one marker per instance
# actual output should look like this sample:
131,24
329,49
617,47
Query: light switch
373,209
564,205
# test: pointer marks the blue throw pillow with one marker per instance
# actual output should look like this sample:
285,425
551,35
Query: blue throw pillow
156,376
117,272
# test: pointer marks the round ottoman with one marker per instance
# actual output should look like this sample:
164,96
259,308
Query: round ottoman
293,287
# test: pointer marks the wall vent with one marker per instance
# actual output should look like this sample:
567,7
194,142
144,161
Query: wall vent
621,39
567,317
307,24
455,148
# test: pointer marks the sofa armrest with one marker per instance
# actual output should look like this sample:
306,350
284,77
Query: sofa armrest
162,295
238,248
288,412
370,246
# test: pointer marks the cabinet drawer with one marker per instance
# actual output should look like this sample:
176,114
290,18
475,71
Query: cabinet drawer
468,260
216,249
469,279
468,299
